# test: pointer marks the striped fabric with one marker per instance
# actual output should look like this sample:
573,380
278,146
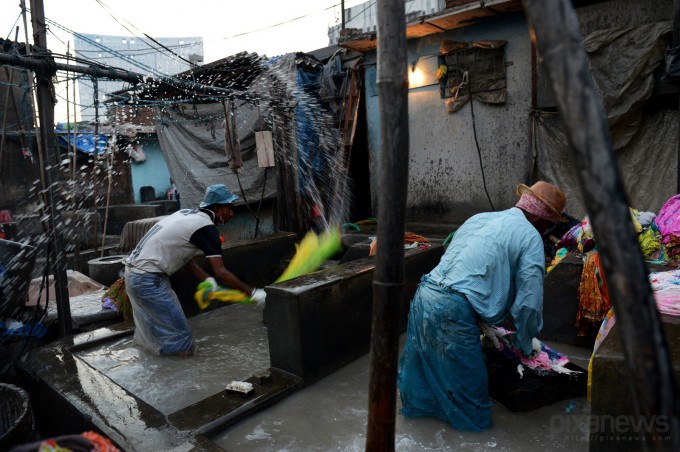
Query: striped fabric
496,260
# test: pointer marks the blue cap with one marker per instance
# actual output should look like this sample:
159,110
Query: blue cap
217,194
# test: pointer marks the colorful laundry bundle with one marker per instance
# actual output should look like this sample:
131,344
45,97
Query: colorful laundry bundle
668,222
544,359
666,288
581,238
116,298
650,242
593,296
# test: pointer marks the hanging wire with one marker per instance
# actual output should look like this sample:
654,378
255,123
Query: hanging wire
12,27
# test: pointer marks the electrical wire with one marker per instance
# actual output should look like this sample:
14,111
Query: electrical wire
479,152
12,27
107,9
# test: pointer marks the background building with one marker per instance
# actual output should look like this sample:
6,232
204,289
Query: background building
364,16
165,56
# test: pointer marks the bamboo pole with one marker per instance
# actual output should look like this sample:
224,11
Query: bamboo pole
56,227
388,280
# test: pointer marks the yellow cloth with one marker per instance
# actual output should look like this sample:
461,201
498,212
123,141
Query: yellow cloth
311,252
204,296
650,241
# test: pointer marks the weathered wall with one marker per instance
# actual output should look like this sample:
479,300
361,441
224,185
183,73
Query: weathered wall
445,181
153,172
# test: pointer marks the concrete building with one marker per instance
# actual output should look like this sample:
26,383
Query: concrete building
457,155
132,54
364,16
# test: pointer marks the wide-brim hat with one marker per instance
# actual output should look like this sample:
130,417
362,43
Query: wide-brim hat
218,194
550,195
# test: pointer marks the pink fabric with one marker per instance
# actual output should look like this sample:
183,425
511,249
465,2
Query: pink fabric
530,203
668,219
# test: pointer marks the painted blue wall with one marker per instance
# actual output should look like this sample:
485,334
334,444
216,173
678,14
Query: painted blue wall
153,172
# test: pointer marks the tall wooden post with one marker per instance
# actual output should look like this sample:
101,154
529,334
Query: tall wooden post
388,280
52,198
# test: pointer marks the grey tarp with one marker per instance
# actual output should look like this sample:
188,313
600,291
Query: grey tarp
192,140
622,62
648,163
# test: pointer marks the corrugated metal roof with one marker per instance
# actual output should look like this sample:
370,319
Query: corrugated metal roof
234,72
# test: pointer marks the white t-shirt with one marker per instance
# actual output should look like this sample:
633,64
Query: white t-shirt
175,240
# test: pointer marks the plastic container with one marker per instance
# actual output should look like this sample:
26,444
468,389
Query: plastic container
532,389
106,270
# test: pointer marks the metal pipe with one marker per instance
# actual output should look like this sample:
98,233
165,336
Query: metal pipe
342,13
53,200
128,76
388,280
643,341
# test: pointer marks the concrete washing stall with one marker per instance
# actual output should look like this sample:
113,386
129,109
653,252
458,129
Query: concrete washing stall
311,327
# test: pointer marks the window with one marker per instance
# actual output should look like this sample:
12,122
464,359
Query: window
474,69
124,41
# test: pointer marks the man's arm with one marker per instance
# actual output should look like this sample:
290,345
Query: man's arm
224,276
227,278
527,310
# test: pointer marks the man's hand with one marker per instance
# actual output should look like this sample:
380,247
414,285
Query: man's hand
258,296
493,335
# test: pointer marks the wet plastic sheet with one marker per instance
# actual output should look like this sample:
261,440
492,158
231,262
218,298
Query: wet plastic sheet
647,163
160,324
623,61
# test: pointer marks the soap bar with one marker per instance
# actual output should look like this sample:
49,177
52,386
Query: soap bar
240,387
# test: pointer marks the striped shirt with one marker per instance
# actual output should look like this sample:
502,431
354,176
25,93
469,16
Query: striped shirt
496,260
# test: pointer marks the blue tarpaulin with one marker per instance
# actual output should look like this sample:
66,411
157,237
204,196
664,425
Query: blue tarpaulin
82,141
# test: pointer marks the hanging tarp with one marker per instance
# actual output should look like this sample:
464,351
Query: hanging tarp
622,62
648,163
192,139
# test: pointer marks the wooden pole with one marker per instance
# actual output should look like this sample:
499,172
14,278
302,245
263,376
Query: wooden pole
388,280
675,44
36,125
95,179
645,348
53,201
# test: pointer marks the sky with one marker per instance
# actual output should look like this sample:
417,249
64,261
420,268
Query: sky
268,27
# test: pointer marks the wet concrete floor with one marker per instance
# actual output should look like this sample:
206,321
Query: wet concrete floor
232,345
331,414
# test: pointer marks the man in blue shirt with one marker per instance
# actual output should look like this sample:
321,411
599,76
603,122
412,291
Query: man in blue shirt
493,267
